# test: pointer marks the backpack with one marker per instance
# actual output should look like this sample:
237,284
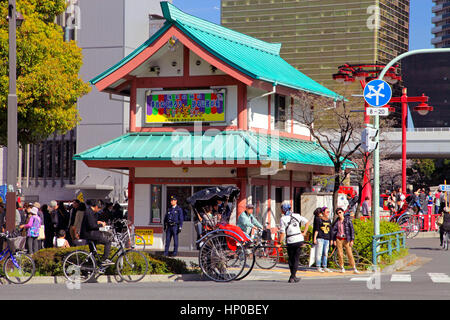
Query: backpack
34,230
289,224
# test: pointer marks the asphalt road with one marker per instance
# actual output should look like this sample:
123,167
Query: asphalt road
427,280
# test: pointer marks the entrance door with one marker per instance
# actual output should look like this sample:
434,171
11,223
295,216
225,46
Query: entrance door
182,193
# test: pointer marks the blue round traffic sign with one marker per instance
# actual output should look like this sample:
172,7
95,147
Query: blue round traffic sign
377,93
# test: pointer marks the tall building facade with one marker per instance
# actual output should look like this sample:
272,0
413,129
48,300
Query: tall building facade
441,20
106,30
319,36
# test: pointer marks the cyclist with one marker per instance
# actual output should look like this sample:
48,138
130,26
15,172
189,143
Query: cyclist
247,222
90,229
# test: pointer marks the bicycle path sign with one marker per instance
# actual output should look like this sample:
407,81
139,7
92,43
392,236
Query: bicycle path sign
377,93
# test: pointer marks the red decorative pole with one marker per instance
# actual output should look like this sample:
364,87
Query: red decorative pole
423,108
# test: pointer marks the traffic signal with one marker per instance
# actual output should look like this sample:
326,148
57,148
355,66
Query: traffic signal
368,139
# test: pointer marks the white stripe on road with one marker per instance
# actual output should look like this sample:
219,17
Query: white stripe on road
401,278
439,277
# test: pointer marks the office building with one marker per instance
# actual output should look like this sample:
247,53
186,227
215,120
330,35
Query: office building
441,21
319,36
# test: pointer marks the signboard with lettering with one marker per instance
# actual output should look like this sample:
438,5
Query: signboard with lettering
147,235
185,106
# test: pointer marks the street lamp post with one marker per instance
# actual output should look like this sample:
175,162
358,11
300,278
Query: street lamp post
11,177
422,109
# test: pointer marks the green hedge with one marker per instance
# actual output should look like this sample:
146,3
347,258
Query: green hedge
49,262
364,231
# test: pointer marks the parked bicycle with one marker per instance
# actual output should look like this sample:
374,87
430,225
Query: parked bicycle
126,235
18,266
80,266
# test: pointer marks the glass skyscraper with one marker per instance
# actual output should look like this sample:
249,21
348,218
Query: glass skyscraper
319,36
441,20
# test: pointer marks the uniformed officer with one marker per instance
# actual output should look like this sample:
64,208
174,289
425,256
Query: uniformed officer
173,222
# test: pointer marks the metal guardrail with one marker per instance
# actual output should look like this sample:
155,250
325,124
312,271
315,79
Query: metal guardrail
400,242
444,129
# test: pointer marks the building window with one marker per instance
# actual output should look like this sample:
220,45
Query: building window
280,112
155,203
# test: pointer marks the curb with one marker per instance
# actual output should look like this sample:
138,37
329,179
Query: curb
115,279
401,263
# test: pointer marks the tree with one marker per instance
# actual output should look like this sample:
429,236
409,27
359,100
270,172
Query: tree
48,84
340,141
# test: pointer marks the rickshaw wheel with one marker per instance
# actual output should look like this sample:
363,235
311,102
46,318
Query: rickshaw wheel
222,257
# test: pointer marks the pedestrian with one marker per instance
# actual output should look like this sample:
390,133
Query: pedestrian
41,237
32,228
173,224
60,241
75,229
290,230
106,214
322,236
365,208
343,236
247,221
422,200
400,199
437,201
445,225
117,211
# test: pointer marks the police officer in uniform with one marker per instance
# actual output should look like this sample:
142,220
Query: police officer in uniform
173,222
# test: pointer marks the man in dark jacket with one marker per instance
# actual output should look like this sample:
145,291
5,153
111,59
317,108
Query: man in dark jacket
90,229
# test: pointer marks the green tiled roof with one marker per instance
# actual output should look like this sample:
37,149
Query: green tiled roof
218,147
258,59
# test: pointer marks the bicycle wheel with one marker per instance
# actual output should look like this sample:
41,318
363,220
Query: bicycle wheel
79,266
19,268
132,266
137,241
410,224
250,261
266,257
222,258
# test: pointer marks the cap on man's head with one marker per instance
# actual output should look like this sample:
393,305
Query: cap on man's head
173,198
250,206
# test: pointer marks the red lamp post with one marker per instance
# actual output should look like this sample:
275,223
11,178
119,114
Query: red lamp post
423,108
364,73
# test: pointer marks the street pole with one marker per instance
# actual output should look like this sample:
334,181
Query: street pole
404,116
11,177
376,155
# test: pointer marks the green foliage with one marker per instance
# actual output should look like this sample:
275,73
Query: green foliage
364,231
48,84
49,262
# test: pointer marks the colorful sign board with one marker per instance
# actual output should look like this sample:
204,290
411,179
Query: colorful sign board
147,234
185,106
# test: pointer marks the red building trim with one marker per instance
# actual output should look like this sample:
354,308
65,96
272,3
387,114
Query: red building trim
186,82
193,181
125,164
188,128
242,107
131,194
186,62
133,102
269,114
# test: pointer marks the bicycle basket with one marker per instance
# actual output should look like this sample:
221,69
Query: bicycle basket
17,243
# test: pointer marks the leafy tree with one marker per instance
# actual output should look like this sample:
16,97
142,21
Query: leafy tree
48,84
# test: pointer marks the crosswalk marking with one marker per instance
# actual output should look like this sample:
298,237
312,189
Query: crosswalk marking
439,277
401,278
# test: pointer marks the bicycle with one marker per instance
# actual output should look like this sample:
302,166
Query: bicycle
261,252
18,267
80,266
122,228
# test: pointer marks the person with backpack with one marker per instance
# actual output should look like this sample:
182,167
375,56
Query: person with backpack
291,232
32,227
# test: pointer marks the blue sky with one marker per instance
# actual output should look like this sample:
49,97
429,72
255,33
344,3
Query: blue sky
420,24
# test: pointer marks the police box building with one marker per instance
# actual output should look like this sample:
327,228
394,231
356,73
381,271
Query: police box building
208,106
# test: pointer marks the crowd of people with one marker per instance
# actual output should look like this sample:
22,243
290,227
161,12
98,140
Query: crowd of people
56,224
422,201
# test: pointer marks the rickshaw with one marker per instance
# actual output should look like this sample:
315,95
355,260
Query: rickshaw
224,250
221,246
